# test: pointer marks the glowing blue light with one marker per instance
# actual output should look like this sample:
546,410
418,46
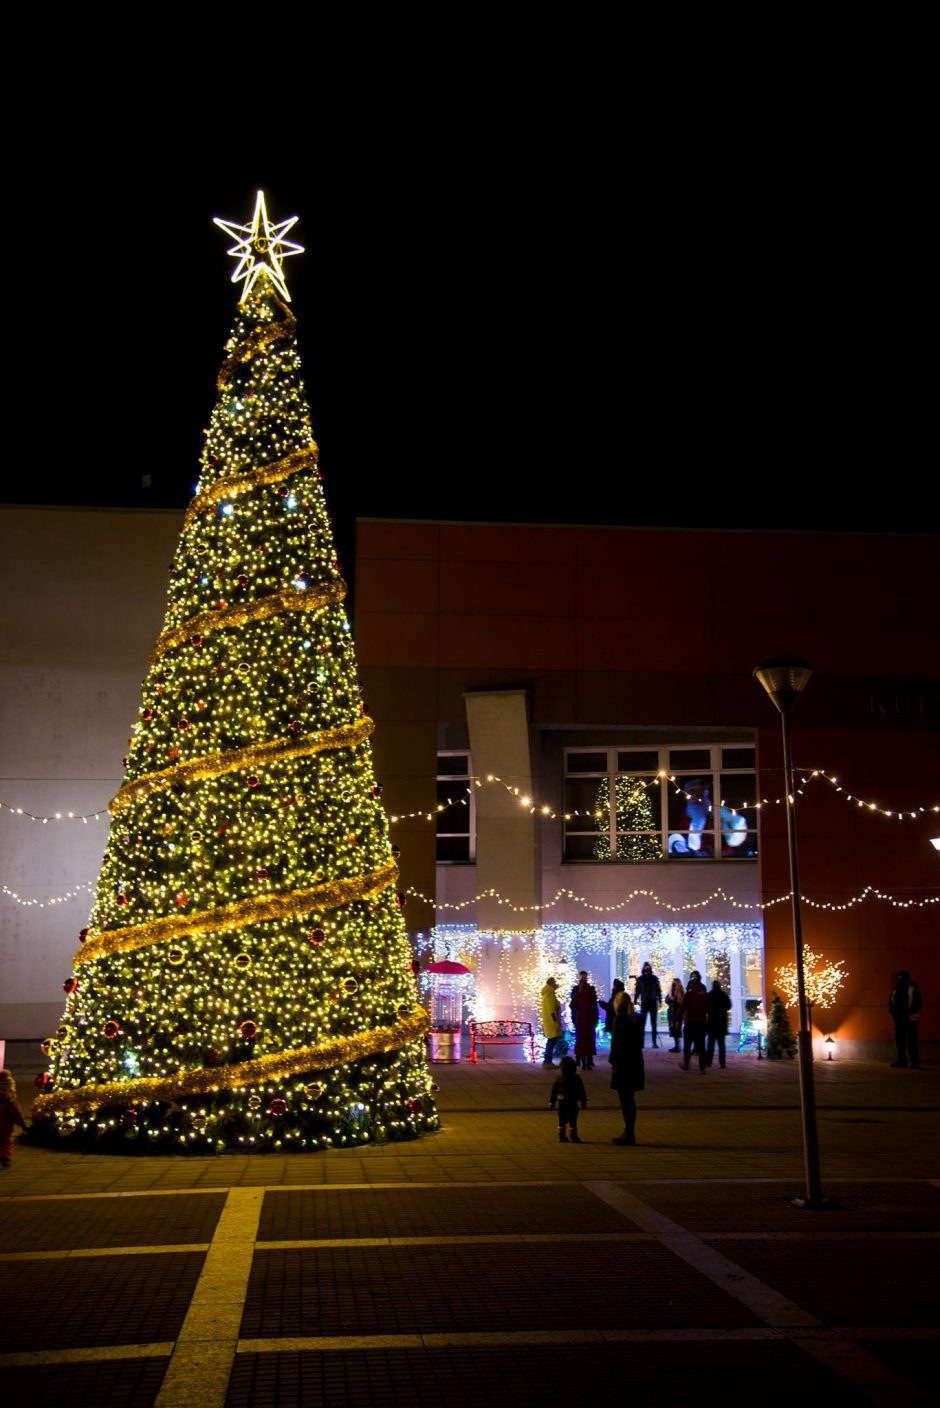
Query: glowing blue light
131,1063
306,645
227,510
204,581
347,626
300,583
290,501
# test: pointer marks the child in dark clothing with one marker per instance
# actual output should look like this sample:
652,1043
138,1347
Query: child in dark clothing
10,1115
568,1093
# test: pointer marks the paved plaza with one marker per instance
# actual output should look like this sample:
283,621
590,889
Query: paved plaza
490,1264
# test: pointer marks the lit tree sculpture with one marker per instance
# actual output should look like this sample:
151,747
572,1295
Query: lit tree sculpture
245,980
821,978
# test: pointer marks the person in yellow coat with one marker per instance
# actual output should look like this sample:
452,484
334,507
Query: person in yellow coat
551,1019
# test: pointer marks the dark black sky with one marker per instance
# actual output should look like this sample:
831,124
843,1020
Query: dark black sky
700,323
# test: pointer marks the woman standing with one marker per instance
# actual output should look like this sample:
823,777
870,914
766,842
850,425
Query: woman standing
673,1003
585,1012
627,1074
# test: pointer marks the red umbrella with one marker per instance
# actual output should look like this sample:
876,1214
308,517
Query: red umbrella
444,965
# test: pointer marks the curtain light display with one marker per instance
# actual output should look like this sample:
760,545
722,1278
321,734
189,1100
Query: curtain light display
246,934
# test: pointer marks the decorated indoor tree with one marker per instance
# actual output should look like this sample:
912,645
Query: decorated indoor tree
245,980
637,829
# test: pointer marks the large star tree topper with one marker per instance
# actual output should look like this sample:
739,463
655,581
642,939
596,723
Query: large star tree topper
260,248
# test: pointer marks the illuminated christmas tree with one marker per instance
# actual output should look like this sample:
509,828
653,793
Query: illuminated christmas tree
245,980
780,1040
634,815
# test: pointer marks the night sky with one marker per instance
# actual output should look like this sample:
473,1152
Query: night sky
527,330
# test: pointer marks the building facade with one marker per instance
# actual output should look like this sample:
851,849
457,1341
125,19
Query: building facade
575,710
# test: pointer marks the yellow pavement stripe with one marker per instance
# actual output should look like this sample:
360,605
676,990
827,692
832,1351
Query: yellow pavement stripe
850,1361
105,1251
198,1372
35,1358
487,1339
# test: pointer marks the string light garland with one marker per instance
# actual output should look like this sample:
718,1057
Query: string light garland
257,756
56,816
229,617
238,1077
650,896
84,888
540,809
226,918
272,473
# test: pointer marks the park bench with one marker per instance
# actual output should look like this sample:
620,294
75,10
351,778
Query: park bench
501,1033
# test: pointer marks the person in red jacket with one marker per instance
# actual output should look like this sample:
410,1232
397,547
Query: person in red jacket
694,1016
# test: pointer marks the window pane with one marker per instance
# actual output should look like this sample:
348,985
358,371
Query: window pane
587,762
691,819
639,804
684,758
646,761
737,757
453,764
453,848
591,798
738,845
738,789
582,847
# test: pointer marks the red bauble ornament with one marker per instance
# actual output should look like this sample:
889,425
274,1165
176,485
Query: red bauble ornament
295,726
415,1106
148,715
249,1030
376,791
183,725
396,852
111,1030
174,754
196,640
82,935
43,1081
182,899
242,579
317,936
70,985
261,875
277,1108
251,781
401,898
120,899
129,1117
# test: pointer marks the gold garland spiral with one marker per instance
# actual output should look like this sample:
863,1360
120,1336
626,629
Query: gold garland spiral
224,617
239,483
224,918
255,755
281,1063
261,337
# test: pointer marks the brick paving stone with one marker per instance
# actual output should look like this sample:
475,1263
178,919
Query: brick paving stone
680,1375
485,1287
913,1359
427,1212
110,1222
109,1383
850,1283
97,1300
767,1207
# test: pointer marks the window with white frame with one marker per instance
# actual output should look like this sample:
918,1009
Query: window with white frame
682,802
455,809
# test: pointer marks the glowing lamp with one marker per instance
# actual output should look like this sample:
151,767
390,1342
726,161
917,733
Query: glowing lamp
830,1045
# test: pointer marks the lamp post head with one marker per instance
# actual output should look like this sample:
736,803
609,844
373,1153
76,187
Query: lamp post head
783,678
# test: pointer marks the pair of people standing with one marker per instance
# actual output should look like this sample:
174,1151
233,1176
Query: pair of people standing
585,1011
704,1016
627,1075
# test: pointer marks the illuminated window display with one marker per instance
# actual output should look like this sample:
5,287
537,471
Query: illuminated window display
679,803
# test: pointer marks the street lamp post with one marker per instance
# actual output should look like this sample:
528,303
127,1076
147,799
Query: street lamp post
783,679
